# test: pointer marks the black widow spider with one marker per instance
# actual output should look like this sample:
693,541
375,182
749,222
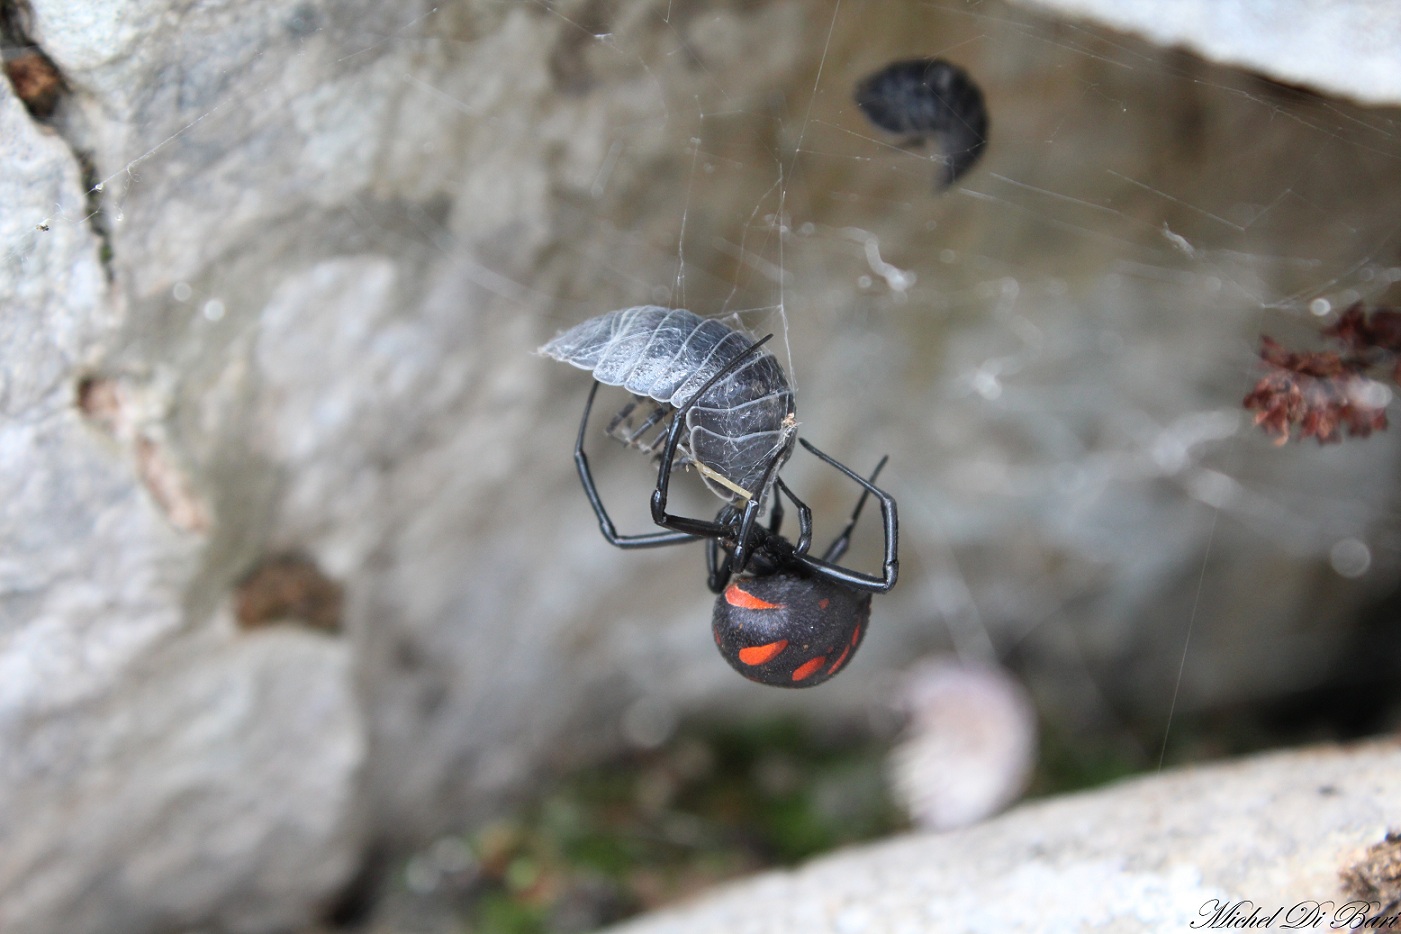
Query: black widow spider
792,620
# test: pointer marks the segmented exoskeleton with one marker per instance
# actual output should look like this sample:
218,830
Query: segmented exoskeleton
740,431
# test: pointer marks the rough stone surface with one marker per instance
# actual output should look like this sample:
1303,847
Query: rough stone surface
271,279
1345,48
1163,853
239,811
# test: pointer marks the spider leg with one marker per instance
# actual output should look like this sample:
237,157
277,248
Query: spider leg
657,415
719,563
804,519
776,514
744,546
718,570
701,527
856,580
843,541
748,540
605,523
624,415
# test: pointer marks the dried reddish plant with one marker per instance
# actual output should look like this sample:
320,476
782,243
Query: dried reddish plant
1322,392
1375,337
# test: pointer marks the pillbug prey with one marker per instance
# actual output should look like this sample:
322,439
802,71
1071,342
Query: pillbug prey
738,434
929,98
722,404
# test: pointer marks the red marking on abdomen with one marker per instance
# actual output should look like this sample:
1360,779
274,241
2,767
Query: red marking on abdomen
758,654
746,600
840,659
809,667
823,603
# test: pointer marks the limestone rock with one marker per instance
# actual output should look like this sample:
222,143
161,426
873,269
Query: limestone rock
272,272
1341,48
1161,853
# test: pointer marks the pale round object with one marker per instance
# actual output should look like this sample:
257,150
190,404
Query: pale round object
969,747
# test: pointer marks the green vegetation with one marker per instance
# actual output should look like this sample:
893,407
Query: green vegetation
715,803
654,827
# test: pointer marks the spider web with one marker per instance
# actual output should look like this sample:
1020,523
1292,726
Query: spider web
1076,324
1053,351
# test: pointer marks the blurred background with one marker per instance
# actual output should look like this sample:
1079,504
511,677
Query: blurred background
307,622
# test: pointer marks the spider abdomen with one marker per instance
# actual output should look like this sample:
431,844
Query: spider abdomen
789,629
740,431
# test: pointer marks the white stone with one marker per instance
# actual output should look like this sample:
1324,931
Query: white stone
1344,48
1160,853
377,210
